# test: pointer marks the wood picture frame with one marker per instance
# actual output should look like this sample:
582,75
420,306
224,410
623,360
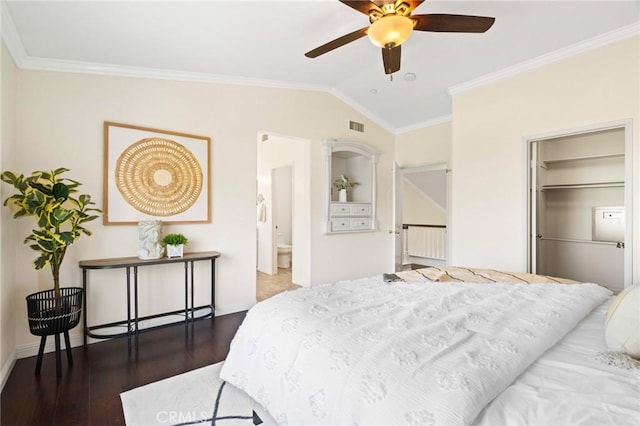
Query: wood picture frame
155,174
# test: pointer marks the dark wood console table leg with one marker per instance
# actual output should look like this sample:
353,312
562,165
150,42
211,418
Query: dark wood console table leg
84,311
186,297
128,270
193,314
135,305
213,288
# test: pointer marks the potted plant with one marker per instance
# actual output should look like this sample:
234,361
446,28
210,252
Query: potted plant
175,244
343,184
59,216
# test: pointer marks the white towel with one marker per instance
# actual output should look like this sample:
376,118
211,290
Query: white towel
262,212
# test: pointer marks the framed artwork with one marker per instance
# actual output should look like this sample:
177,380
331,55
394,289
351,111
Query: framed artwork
155,174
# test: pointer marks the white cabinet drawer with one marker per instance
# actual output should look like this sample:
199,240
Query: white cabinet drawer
350,224
363,223
360,209
350,209
341,225
340,209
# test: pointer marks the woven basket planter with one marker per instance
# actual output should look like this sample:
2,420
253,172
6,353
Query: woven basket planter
47,318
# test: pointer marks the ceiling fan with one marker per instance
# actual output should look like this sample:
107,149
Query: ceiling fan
392,24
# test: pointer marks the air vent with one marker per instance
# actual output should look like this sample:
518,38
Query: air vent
354,125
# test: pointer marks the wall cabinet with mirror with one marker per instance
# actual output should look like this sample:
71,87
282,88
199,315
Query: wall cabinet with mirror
350,166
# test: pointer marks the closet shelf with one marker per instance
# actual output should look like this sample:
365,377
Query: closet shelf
584,157
615,184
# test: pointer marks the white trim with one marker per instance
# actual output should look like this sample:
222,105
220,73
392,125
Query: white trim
6,369
225,310
31,349
76,340
428,167
549,58
423,124
10,36
60,65
23,61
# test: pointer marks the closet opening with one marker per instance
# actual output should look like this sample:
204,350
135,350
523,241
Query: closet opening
579,205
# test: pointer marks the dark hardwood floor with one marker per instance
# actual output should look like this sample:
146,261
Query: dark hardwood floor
89,392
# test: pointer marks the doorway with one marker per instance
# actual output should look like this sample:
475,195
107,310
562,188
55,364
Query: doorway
579,202
284,212
421,216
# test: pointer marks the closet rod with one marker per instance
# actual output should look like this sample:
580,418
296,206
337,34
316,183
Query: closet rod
568,240
584,185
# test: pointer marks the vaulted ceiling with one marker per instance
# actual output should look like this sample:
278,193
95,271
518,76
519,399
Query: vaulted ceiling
263,43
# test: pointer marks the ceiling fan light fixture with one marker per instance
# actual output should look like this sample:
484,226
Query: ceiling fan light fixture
390,30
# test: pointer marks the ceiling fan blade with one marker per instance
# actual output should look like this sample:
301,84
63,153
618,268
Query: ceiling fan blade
362,6
452,23
391,59
334,44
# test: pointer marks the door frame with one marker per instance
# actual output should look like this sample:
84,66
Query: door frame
397,232
530,213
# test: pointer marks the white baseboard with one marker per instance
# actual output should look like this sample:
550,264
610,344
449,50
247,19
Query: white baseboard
6,369
31,349
224,310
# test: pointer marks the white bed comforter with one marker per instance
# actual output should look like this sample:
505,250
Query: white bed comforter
367,352
573,383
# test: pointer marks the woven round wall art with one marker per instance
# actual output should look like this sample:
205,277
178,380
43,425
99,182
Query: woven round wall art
159,177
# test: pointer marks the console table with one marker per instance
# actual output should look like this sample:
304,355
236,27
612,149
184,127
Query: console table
132,264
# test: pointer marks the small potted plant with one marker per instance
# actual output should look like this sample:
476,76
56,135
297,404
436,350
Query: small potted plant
343,184
175,244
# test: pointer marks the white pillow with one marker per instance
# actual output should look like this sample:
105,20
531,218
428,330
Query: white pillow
623,322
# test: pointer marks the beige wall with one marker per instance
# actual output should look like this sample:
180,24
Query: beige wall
420,210
7,235
59,123
429,145
489,123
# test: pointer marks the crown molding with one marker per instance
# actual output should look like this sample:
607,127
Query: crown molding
540,61
16,48
424,124
10,36
23,61
362,110
60,65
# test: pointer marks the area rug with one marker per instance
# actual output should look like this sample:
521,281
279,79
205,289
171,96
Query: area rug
195,397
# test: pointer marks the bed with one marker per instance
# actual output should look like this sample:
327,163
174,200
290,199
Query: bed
402,349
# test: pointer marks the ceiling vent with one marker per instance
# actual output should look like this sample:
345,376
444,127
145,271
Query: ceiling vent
358,127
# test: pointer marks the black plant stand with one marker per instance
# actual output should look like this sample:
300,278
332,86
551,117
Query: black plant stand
48,316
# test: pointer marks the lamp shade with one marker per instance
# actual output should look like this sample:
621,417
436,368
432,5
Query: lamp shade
390,30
